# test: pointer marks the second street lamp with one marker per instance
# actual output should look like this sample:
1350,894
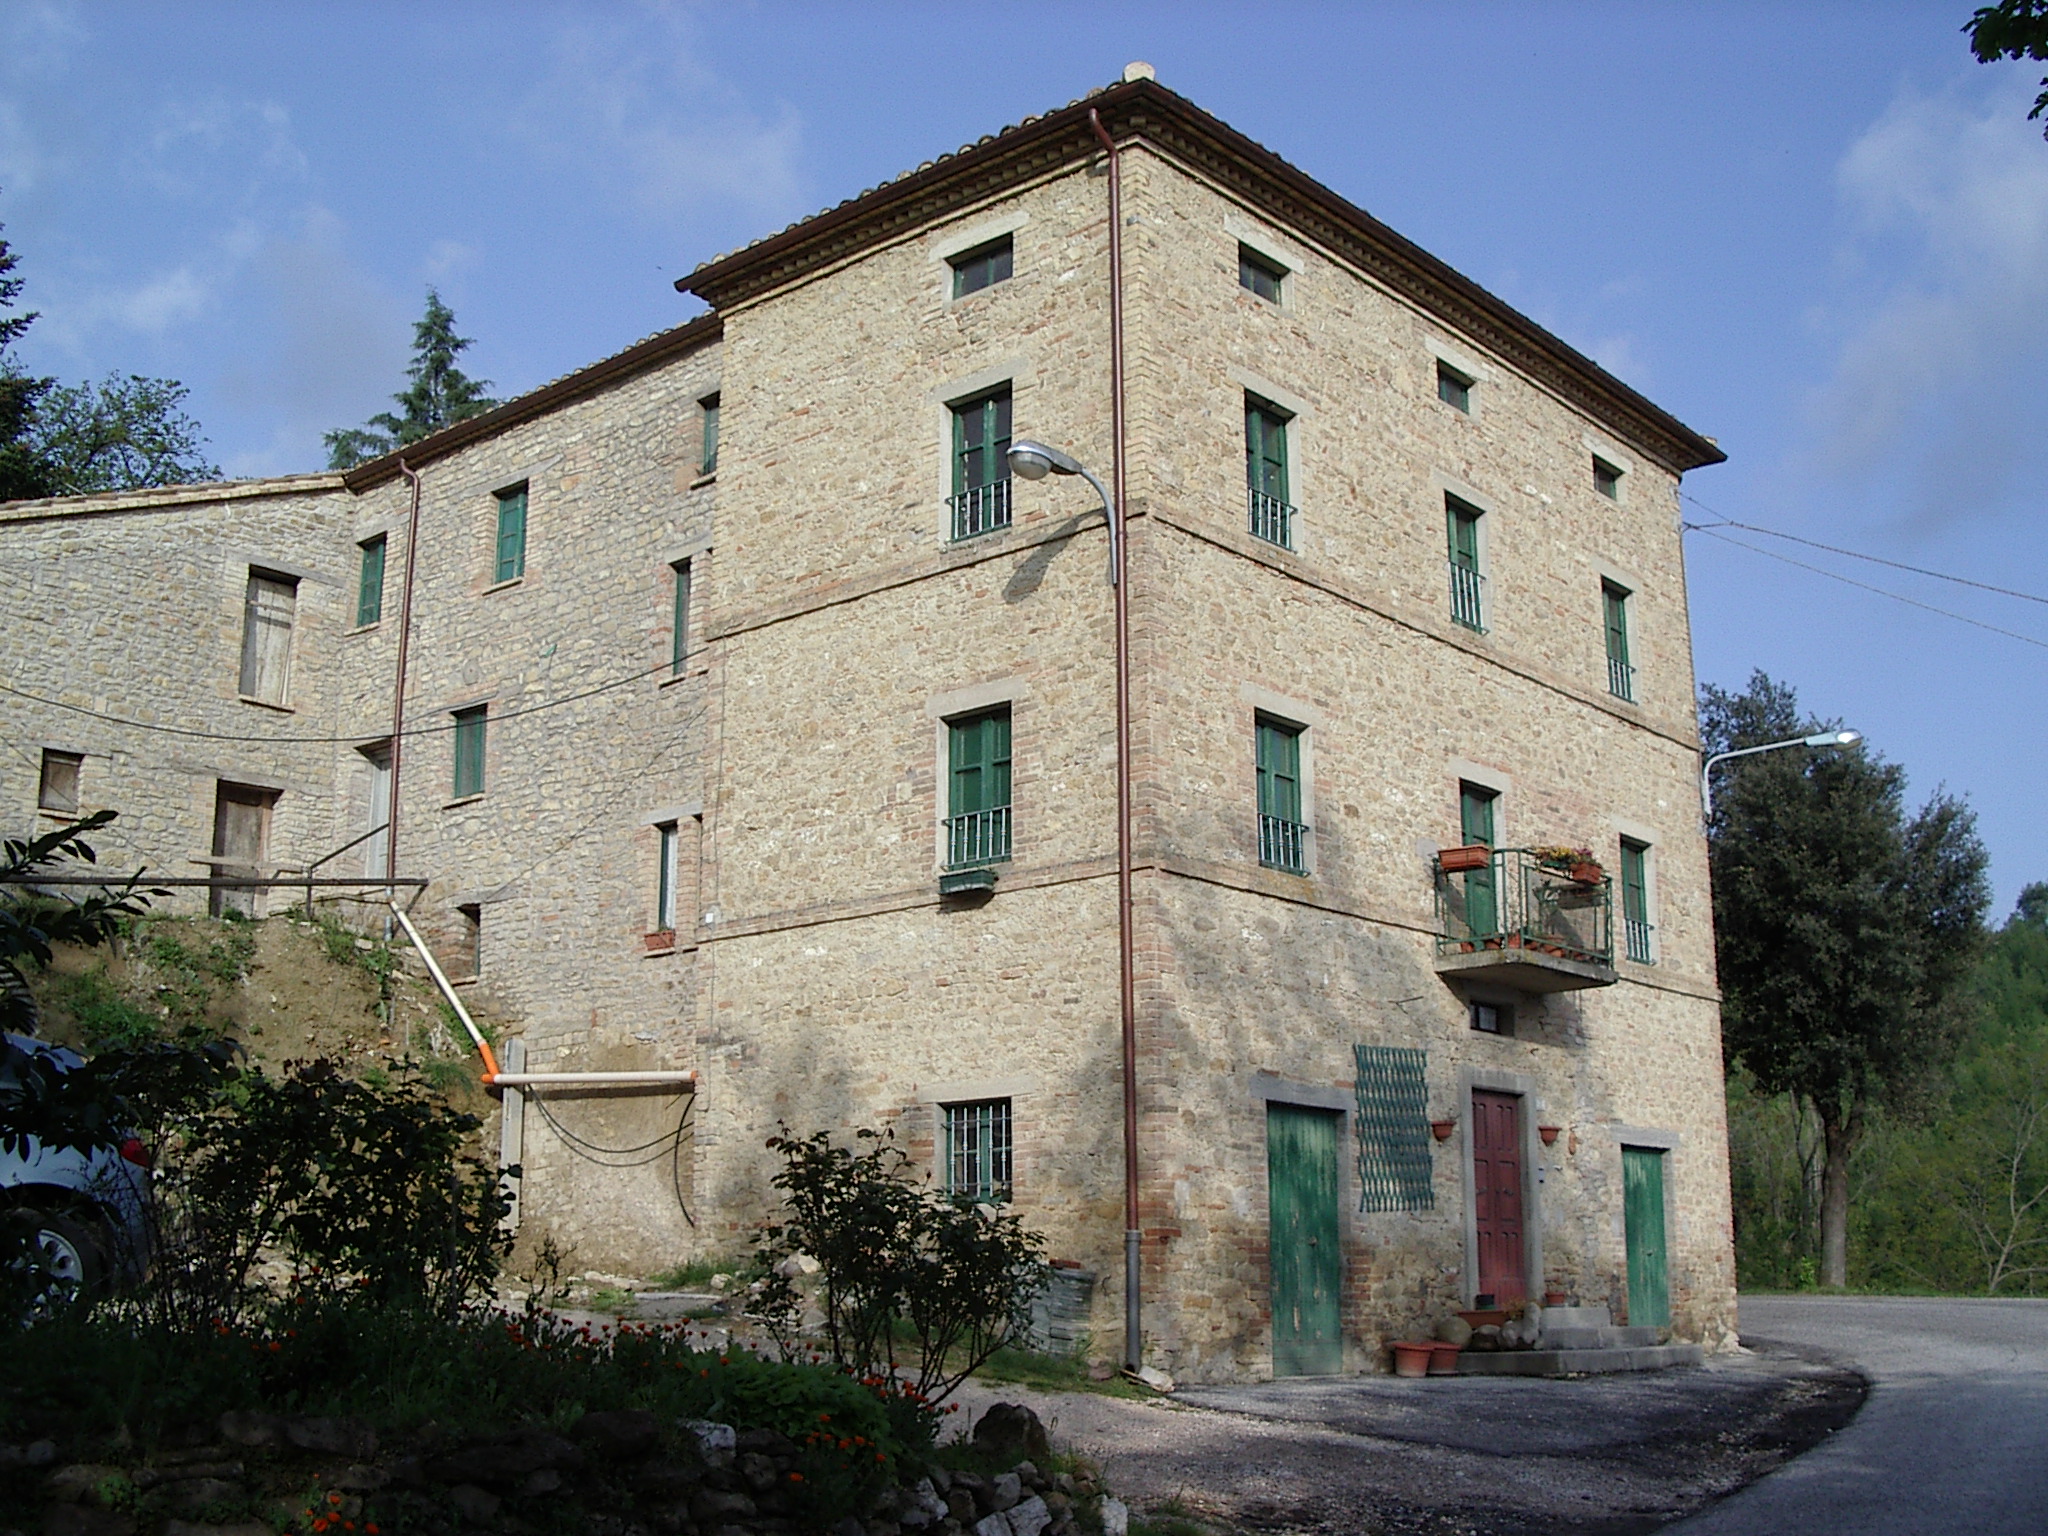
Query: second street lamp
1817,739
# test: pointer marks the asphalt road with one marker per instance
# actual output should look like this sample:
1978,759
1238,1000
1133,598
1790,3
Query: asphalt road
1952,1442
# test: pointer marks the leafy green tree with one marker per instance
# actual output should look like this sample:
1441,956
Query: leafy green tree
439,396
1847,929
22,475
2012,29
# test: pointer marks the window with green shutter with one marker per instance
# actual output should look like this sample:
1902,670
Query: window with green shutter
1635,901
469,751
1453,388
1606,479
1265,471
1259,274
981,464
679,643
370,588
1621,676
707,458
1476,825
511,534
982,267
1468,586
978,789
1282,836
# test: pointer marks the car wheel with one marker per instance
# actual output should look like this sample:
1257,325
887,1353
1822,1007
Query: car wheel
73,1254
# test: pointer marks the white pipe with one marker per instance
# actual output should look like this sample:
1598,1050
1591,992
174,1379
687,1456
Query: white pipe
483,1046
528,1079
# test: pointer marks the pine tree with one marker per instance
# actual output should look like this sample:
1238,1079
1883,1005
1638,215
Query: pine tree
22,473
440,394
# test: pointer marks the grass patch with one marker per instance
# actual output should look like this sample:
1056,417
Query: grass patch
356,951
1055,1373
697,1274
104,1016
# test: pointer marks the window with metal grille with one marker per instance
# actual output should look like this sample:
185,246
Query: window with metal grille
511,534
1453,388
1261,275
1621,677
978,789
1283,838
1468,585
978,1150
1635,902
707,455
1394,1166
1606,479
370,588
981,464
679,644
469,750
58,790
268,614
982,267
1265,471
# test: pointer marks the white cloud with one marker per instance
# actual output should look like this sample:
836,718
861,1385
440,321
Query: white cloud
1943,304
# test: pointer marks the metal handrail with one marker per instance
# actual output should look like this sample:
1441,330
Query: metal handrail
1283,844
1468,597
1518,901
1271,518
978,837
307,871
980,509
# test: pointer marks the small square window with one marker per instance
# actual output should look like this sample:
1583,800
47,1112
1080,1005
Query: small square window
982,267
1260,274
1491,1018
469,750
707,458
1606,479
1453,388
978,1150
511,534
59,789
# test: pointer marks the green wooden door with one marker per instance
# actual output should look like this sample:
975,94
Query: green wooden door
1642,1193
1308,1269
1475,818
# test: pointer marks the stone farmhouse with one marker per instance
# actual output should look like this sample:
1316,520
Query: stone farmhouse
746,713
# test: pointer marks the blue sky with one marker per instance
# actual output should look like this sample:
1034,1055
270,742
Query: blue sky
1818,233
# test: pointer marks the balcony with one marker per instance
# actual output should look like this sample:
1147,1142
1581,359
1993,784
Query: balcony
1272,519
1522,923
980,509
978,838
1468,597
1621,679
1282,845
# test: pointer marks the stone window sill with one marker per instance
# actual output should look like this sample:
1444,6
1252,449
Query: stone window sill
282,709
369,628
462,800
501,586
701,481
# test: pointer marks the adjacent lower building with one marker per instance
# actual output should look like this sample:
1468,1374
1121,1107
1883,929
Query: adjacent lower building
746,713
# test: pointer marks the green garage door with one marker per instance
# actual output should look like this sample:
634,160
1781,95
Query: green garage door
1308,1269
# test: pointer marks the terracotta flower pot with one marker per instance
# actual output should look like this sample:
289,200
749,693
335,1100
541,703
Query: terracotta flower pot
1548,1134
1456,861
1441,1129
1557,1298
1587,874
1443,1359
1412,1359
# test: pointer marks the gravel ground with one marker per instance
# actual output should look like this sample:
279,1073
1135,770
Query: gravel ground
1478,1456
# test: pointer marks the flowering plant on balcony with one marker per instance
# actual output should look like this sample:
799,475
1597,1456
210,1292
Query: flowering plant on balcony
1558,856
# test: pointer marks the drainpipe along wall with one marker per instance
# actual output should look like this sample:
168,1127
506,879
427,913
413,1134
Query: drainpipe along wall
412,560
1134,1335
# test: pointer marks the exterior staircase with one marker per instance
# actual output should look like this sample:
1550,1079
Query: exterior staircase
1583,1341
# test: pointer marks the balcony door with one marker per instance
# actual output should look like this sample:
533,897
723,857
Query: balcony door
1482,901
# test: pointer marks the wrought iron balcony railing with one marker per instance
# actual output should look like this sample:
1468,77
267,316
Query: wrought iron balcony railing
1636,936
1520,902
1621,679
1283,845
1468,597
979,837
1272,519
982,509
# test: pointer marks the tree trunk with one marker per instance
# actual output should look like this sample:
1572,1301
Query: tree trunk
1834,1201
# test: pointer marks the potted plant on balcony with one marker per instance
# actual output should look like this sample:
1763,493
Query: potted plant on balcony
1577,863
1460,860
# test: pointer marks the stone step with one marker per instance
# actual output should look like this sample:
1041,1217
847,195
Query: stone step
1576,1317
1606,1336
1578,1362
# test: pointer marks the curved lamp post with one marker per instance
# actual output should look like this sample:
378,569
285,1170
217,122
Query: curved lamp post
1818,739
1034,461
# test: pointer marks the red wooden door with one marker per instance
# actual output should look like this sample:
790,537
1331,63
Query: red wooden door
1497,1194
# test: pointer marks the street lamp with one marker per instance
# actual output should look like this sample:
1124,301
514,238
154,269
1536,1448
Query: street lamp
1818,739
1034,461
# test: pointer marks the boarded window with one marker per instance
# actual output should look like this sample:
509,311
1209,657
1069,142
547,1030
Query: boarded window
59,788
241,841
1394,1167
267,617
370,590
978,1150
469,750
511,534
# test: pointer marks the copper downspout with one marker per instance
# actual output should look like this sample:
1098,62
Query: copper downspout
1134,1333
412,552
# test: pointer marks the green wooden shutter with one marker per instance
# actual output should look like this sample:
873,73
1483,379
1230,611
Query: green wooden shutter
979,757
1475,813
1265,449
665,879
370,591
469,750
981,442
1279,754
679,644
708,458
1635,886
1462,529
1616,603
1475,818
511,534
